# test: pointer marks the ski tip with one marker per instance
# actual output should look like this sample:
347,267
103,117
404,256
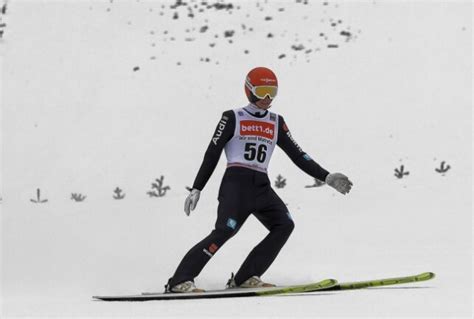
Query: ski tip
426,276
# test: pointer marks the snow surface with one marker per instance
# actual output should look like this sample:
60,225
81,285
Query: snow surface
77,118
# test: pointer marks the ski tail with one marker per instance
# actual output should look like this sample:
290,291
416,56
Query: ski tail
382,282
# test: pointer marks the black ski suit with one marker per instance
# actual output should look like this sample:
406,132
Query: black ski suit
244,191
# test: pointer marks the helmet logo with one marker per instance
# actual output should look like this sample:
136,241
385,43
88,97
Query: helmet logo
267,80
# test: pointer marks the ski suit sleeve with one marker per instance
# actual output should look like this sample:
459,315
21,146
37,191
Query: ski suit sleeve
296,154
223,133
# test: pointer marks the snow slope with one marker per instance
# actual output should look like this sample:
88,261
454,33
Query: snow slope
102,94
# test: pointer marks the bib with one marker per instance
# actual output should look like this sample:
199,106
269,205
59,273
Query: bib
253,142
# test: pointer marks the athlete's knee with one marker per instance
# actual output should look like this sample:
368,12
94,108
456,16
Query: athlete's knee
227,228
285,228
222,234
289,226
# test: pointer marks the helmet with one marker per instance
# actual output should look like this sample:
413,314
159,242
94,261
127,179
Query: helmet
260,76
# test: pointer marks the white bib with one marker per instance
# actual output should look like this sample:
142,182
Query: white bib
253,142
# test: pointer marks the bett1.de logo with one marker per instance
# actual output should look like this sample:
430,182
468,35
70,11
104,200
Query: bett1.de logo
257,128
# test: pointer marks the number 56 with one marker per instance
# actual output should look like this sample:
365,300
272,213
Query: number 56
252,152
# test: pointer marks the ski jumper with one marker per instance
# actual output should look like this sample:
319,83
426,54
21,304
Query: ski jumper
248,135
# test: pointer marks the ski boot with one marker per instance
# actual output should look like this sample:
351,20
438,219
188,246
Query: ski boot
252,282
184,287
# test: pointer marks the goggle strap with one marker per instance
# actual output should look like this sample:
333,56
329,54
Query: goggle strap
248,84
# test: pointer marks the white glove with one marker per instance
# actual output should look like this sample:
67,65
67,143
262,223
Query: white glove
340,182
191,201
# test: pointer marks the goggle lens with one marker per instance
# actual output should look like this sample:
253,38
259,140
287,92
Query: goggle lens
262,91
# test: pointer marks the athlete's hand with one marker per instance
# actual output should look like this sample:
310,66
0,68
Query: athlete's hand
340,182
191,201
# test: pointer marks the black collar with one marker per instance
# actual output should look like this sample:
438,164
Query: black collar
254,111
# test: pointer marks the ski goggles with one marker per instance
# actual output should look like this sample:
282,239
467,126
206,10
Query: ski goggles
262,91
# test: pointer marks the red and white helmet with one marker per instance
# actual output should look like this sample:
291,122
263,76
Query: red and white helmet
260,83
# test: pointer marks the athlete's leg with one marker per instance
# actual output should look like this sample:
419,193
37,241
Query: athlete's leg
232,212
275,217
